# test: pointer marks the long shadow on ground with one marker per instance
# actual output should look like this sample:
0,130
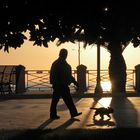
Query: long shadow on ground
125,113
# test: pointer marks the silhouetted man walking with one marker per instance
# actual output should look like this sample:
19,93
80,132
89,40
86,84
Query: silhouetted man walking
60,78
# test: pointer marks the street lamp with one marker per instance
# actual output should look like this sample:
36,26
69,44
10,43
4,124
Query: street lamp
98,88
79,57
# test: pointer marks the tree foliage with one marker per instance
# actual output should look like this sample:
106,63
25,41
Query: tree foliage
107,21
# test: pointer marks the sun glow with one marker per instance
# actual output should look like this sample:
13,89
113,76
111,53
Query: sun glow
105,102
106,86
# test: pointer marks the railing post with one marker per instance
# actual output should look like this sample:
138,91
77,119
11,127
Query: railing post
81,78
20,79
137,73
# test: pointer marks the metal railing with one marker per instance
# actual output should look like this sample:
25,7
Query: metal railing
39,79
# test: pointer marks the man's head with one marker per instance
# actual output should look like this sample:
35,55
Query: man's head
63,53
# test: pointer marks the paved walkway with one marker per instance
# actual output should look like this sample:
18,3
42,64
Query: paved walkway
34,113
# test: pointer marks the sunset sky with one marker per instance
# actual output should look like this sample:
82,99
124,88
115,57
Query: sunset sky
36,57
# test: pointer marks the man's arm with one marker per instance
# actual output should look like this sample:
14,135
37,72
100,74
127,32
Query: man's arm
75,82
72,79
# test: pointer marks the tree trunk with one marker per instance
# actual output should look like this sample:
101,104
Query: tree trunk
117,71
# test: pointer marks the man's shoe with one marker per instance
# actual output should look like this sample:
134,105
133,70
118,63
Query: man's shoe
54,117
75,115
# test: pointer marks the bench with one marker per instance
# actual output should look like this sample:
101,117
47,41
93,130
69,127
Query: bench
11,78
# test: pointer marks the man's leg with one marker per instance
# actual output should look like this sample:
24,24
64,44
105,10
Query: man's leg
54,102
69,102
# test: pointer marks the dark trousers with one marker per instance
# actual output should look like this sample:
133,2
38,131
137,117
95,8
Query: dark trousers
64,92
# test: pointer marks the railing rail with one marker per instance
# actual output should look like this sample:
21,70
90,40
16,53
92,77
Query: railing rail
39,79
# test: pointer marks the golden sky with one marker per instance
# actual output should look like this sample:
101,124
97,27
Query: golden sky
36,57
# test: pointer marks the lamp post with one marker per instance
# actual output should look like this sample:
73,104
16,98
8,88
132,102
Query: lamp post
98,88
79,54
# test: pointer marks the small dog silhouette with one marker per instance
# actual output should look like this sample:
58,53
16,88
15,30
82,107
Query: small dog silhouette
103,111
